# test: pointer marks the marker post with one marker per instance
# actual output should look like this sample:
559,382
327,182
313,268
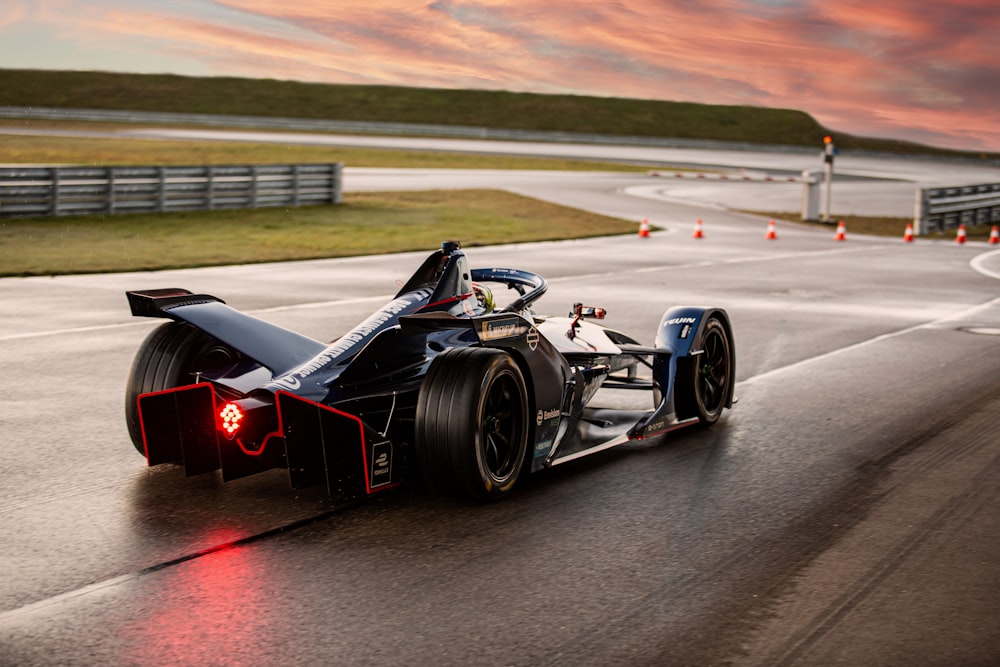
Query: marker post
829,151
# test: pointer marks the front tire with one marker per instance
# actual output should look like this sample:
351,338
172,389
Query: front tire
171,356
713,373
471,423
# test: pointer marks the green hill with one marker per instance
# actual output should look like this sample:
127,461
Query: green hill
477,108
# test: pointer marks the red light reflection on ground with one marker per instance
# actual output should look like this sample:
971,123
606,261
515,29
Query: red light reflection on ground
210,610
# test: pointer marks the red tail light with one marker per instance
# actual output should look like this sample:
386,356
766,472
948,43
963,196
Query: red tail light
230,417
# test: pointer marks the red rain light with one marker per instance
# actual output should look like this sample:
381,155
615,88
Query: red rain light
231,416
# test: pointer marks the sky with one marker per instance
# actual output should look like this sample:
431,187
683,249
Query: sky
925,71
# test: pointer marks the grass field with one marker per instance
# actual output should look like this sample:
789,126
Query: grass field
366,223
16,149
474,108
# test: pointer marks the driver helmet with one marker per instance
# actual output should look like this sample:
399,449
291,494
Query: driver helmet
484,296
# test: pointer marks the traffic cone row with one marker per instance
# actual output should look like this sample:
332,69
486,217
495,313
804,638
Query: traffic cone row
840,235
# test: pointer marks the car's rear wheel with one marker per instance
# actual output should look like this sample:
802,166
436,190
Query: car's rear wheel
471,423
173,355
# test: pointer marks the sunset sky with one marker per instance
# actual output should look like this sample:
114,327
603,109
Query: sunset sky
923,71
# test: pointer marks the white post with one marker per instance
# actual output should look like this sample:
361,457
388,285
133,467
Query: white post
810,195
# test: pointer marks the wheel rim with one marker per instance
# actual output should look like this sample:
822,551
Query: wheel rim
713,371
211,357
501,428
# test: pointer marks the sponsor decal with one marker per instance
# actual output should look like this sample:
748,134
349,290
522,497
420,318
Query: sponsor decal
289,382
680,320
685,331
656,426
499,329
350,340
542,415
381,472
532,339
542,448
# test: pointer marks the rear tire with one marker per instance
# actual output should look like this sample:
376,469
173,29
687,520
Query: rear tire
471,423
171,356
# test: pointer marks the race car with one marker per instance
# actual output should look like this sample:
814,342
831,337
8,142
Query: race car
441,385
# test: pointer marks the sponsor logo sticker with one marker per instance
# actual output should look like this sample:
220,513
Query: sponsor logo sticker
542,415
381,471
542,448
656,426
289,382
499,329
532,339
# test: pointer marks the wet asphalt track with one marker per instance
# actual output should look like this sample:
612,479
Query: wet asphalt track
845,511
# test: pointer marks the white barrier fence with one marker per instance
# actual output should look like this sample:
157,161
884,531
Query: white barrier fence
941,209
59,191
811,181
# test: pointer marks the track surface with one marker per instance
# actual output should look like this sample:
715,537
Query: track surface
846,511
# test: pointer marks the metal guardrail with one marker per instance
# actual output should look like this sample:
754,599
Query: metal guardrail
943,208
57,191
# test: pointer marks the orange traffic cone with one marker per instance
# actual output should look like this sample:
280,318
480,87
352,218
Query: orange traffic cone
960,236
698,234
841,232
771,233
908,234
994,235
644,229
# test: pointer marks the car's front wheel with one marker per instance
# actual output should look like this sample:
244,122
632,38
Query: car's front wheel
713,372
471,423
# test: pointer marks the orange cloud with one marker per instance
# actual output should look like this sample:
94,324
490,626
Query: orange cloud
894,68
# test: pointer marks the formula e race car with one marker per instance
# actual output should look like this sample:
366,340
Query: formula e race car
441,384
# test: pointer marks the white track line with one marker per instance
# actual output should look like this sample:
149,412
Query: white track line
968,312
976,264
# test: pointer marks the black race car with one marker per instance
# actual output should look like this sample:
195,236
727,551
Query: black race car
439,384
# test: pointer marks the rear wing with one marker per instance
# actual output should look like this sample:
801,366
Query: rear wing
154,302
273,347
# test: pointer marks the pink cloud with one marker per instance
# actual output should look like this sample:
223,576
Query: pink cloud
12,12
894,68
